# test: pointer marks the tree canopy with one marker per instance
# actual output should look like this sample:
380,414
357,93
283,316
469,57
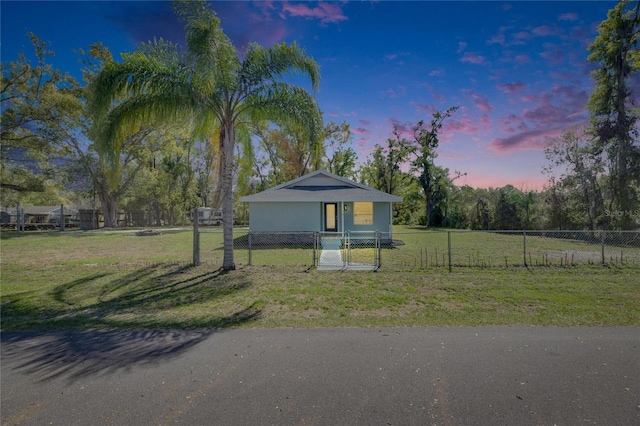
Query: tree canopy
208,86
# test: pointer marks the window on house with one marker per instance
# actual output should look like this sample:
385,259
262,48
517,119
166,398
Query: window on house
363,213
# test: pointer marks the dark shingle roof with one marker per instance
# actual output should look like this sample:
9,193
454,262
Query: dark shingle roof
343,190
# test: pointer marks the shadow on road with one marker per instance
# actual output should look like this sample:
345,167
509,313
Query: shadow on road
77,354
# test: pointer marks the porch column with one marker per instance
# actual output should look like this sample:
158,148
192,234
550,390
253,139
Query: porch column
342,216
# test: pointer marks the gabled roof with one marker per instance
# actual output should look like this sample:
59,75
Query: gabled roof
320,186
43,210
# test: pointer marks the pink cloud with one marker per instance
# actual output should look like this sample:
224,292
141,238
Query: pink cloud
264,8
473,58
430,109
392,56
435,94
544,114
535,140
251,22
552,113
361,131
365,122
522,35
512,124
325,12
511,87
543,30
404,129
553,53
366,145
522,59
563,75
568,17
395,92
497,39
468,126
481,102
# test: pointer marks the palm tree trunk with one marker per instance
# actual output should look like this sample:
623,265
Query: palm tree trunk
228,138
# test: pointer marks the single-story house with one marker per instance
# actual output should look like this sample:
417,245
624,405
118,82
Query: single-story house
48,214
321,202
40,217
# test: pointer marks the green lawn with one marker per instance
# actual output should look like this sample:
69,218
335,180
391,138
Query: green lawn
74,280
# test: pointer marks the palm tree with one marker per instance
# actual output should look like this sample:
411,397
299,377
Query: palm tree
208,87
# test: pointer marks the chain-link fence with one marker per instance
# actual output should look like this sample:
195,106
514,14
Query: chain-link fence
415,249
487,249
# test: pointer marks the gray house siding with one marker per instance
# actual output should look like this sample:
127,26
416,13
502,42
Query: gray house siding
303,217
285,217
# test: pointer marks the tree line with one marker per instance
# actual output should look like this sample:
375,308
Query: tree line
167,129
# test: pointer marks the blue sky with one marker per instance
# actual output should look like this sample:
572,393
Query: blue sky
517,70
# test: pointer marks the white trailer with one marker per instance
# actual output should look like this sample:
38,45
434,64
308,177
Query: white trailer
209,216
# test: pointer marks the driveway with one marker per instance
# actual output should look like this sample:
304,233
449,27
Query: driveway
368,376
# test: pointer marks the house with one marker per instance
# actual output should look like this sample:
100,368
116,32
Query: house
321,202
7,218
48,215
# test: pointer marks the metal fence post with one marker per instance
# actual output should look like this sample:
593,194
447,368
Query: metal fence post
449,248
196,239
378,245
524,248
249,237
19,222
603,258
347,248
18,218
61,217
380,249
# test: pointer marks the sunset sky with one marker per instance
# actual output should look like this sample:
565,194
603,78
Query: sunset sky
518,71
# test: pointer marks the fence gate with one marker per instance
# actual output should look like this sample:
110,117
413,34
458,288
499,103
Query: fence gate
347,251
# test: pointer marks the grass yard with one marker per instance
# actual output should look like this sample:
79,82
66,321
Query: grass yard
119,280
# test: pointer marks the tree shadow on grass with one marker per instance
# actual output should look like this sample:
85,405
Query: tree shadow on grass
115,322
138,299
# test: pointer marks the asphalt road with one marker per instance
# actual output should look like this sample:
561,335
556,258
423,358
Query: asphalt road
368,376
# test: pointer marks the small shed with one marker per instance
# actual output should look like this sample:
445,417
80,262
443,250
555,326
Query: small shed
321,202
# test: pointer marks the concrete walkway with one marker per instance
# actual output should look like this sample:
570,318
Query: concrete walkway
331,258
361,376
